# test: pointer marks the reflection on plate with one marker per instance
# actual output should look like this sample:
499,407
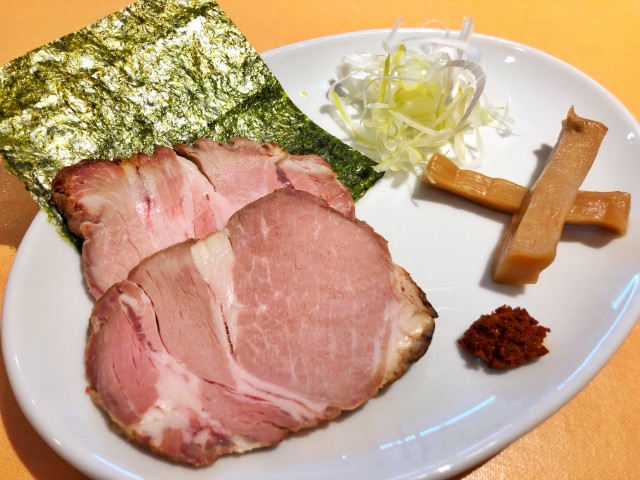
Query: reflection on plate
445,414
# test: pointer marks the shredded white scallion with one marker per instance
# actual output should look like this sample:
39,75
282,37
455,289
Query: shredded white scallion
405,103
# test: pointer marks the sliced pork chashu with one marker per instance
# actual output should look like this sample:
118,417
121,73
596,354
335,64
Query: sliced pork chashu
288,316
126,210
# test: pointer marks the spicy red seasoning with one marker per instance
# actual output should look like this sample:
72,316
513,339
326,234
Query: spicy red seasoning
505,338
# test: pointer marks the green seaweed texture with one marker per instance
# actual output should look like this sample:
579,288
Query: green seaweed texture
156,73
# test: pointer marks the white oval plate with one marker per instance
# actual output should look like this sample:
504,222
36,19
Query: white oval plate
445,414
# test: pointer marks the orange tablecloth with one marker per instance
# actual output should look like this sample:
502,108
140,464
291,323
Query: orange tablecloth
597,434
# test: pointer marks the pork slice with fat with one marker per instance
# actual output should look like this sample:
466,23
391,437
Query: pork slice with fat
126,210
290,315
265,167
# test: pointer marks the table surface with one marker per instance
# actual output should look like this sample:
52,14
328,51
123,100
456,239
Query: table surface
596,435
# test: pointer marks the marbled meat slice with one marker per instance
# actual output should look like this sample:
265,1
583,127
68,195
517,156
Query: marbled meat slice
126,210
290,315
265,167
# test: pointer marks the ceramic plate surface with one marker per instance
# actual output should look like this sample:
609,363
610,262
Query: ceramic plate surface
446,414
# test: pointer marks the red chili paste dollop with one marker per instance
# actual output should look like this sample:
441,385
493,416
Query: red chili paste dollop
505,338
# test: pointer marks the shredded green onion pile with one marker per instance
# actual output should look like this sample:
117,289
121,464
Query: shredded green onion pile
407,103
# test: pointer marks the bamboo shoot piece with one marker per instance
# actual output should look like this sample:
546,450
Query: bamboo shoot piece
530,243
608,210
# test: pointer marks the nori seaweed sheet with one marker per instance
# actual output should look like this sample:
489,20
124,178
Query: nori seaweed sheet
156,73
